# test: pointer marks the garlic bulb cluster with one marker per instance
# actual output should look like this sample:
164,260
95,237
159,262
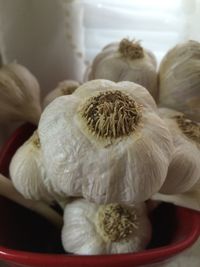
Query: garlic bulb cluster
66,87
179,79
92,229
184,169
27,171
105,143
125,61
19,95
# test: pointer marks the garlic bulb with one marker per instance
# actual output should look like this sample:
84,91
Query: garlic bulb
125,61
27,171
66,87
106,143
184,169
179,79
91,229
19,94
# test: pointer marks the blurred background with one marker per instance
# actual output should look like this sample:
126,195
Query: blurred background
56,39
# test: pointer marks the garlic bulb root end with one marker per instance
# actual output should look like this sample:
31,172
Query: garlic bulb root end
131,49
116,223
111,114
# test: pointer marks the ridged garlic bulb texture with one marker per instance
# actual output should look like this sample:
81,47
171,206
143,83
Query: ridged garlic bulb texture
66,87
125,61
184,169
91,229
27,171
19,94
105,143
179,79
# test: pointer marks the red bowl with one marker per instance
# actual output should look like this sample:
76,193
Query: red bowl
26,239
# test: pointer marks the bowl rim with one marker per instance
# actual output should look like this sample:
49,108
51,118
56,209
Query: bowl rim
144,257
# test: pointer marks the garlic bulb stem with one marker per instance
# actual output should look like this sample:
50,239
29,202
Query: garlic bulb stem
7,190
131,49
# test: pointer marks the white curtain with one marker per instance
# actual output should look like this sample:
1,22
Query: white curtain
33,33
158,24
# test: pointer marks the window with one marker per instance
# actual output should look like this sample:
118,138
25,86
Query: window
158,24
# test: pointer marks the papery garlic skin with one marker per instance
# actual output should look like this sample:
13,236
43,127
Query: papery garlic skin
82,232
179,79
19,94
27,171
184,169
130,63
105,167
66,87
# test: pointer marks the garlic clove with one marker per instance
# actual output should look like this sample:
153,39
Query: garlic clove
104,161
125,61
90,229
183,172
190,199
179,78
27,171
57,171
19,94
66,87
123,172
85,240
184,168
92,87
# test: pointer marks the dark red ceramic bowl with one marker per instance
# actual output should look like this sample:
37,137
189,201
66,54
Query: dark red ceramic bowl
26,239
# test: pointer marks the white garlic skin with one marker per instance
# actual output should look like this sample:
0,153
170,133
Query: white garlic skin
27,171
110,64
101,170
184,169
80,234
19,94
179,79
66,87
